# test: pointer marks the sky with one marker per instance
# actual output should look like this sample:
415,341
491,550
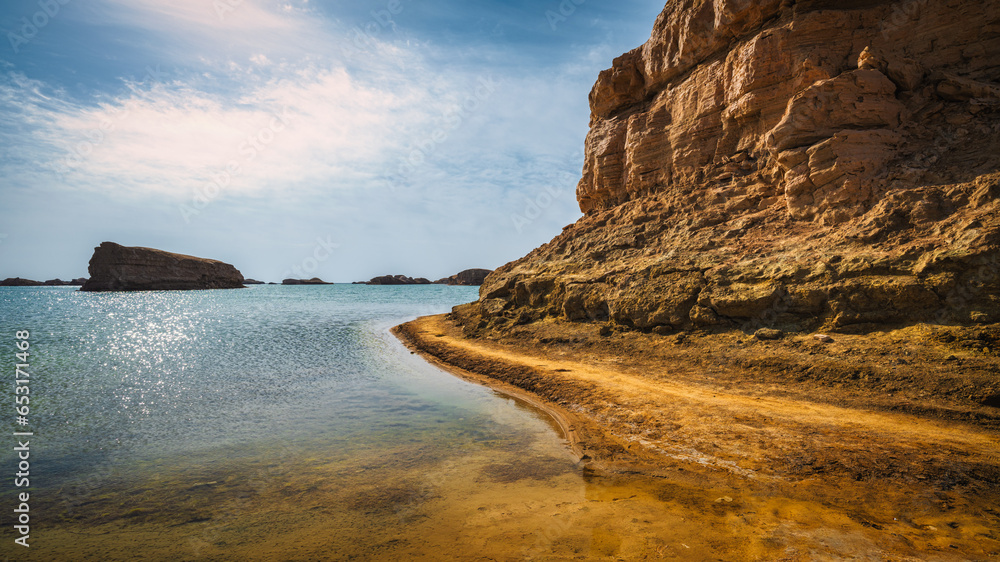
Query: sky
298,138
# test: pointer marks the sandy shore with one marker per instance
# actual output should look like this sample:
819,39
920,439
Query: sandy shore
648,408
633,407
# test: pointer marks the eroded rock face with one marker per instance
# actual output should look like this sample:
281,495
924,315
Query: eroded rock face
120,268
784,163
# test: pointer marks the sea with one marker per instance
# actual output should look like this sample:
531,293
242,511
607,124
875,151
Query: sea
273,423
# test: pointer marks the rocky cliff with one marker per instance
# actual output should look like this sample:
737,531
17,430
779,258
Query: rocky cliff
784,163
120,268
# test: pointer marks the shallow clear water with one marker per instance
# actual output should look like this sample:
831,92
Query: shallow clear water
255,385
117,375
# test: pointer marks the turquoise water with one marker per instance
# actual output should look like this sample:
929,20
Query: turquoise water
186,404
122,375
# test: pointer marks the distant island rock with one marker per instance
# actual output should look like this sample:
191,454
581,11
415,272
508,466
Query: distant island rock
252,282
60,283
120,268
469,277
398,280
313,281
18,282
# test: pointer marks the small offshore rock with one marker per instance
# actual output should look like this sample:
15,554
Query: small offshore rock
768,334
123,268
469,277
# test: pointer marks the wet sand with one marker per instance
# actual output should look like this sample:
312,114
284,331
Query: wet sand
853,476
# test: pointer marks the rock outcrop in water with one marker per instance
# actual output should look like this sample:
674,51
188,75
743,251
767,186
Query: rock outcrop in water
468,278
313,281
18,282
398,280
120,268
787,164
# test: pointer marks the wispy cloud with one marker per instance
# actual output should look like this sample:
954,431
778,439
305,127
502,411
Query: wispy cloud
218,20
312,124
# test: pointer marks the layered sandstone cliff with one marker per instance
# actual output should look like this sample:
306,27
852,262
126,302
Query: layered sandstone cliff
784,163
120,268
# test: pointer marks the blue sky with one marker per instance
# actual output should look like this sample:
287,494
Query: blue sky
307,138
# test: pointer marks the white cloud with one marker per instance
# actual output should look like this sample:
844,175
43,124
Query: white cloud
313,125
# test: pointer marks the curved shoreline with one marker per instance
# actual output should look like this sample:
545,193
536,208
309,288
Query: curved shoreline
564,420
907,486
648,423
582,435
